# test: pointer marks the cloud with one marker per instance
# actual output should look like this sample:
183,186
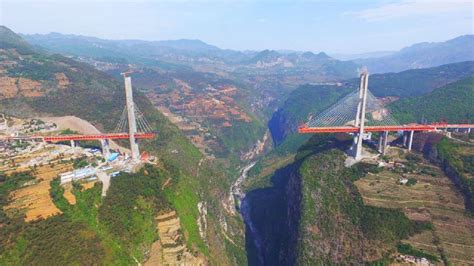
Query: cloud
414,8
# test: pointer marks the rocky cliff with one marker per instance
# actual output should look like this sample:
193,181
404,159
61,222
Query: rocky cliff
314,214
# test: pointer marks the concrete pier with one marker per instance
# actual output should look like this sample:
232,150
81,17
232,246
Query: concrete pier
104,143
380,144
385,142
410,140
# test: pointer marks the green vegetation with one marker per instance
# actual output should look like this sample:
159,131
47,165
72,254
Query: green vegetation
407,249
332,204
452,103
411,181
457,161
80,163
57,240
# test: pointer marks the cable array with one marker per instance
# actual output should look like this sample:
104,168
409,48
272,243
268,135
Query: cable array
343,113
142,124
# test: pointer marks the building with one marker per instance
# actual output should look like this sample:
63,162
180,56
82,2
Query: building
77,174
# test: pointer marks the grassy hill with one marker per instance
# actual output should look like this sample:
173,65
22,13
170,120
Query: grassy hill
41,84
453,103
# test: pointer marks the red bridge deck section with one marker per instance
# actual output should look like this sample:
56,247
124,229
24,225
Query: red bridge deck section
411,127
98,136
58,138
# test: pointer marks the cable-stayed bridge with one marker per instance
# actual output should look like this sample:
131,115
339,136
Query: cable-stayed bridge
361,112
132,125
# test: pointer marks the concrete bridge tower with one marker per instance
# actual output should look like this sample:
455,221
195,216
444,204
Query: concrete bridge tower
132,122
360,116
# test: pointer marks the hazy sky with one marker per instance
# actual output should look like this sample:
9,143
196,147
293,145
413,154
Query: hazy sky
332,26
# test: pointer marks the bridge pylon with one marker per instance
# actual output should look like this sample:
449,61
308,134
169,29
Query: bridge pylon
360,115
132,122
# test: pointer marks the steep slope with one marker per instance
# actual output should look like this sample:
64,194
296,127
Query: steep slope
453,103
40,84
423,55
312,213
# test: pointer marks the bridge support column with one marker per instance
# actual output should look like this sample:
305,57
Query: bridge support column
385,142
380,145
405,136
410,139
469,131
383,139
73,143
104,143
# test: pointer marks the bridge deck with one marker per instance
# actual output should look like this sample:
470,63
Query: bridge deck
351,129
82,137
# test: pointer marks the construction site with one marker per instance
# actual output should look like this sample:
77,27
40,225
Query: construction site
70,149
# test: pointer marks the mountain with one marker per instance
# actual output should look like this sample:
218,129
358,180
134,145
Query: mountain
417,81
119,229
377,54
423,55
188,45
134,51
452,102
195,53
9,40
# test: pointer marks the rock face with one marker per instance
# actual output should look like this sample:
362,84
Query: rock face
313,214
170,249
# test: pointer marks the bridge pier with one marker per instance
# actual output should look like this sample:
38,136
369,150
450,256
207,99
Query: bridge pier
380,145
410,139
405,138
383,140
104,143
73,143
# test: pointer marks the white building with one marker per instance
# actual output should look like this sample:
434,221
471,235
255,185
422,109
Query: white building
77,174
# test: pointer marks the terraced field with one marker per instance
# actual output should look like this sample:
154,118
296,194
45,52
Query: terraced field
433,198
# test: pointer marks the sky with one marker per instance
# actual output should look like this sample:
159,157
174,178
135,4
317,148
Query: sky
337,26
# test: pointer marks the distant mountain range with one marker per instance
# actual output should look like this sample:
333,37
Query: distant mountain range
194,53
344,56
423,55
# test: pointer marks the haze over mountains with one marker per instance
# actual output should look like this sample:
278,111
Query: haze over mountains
419,55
